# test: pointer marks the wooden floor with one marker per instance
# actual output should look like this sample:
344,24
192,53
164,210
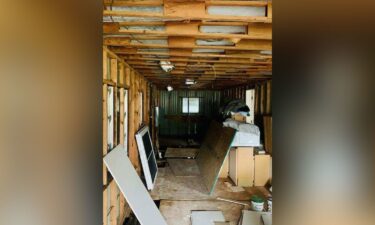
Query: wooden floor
178,212
179,195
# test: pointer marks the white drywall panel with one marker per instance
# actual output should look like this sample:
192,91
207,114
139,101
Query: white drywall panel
132,187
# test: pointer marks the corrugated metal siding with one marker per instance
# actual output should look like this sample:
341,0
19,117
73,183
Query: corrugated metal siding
171,105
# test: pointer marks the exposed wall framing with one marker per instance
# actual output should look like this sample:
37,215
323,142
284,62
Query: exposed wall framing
262,96
118,76
262,101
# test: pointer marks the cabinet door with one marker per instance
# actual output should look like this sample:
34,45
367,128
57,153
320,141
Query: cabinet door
262,170
245,166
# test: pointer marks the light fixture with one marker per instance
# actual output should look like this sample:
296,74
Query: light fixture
169,88
167,66
190,82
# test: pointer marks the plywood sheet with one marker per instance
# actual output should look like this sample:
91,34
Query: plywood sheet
213,151
178,212
184,167
181,152
233,165
224,169
132,187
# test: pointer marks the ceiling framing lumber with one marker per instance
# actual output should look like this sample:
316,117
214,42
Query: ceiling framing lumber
218,43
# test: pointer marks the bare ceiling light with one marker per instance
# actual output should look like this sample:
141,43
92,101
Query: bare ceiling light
167,66
169,88
190,82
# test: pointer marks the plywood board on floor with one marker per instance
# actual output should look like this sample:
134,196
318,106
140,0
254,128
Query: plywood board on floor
178,212
171,187
184,167
213,152
181,152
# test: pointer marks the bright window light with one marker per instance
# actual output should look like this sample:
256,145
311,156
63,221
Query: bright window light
190,105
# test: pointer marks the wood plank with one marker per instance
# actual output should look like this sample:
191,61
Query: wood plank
184,59
114,207
184,9
241,56
200,35
133,3
105,131
224,172
236,3
268,97
187,17
267,122
105,205
247,46
132,187
213,151
105,65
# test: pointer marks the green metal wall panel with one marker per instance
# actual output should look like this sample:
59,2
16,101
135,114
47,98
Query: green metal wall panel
171,109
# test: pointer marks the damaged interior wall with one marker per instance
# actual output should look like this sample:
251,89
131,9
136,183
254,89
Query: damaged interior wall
173,122
120,78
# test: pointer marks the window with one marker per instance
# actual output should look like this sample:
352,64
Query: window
190,105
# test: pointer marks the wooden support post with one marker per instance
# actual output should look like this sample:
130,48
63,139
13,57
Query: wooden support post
105,65
114,199
105,130
268,96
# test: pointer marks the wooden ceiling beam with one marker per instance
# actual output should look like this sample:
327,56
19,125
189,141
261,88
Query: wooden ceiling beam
248,61
256,45
162,23
203,55
264,36
133,3
206,17
217,67
237,3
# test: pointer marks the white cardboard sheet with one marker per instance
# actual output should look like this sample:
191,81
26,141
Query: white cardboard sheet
252,217
206,217
132,187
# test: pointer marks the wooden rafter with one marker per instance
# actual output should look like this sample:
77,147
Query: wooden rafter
201,44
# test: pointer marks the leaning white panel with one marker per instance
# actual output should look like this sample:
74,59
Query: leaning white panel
132,187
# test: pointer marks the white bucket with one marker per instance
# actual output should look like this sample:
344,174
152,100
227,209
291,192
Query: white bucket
269,203
257,206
